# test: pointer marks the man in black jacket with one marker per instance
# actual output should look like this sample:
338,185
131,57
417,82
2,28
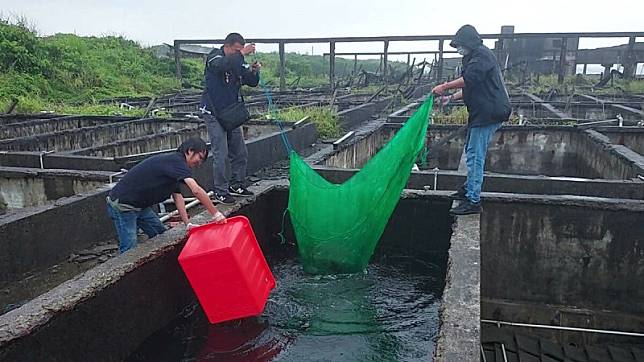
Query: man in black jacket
225,73
488,105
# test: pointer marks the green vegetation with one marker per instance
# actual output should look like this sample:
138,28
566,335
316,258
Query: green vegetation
455,115
572,83
312,70
66,73
53,72
324,118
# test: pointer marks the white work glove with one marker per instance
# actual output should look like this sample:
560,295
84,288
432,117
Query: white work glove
190,226
219,218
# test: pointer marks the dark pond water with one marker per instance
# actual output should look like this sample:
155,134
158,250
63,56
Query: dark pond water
387,313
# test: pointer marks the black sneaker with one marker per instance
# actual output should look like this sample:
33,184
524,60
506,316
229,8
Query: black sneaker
466,208
240,191
224,199
458,195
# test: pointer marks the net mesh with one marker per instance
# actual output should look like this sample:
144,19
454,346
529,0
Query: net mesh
338,226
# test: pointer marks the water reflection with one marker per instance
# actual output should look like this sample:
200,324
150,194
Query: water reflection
388,313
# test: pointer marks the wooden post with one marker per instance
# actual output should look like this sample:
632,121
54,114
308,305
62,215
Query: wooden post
12,106
585,68
355,64
408,60
440,61
177,60
332,64
282,68
630,63
385,55
576,51
562,61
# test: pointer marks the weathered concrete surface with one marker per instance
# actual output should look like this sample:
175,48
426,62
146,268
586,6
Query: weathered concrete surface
39,237
460,313
359,150
576,251
40,126
352,117
524,150
58,161
263,151
26,187
452,180
92,136
112,307
107,326
567,316
146,144
630,137
611,161
19,118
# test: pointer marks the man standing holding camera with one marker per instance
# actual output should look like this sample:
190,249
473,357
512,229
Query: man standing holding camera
225,73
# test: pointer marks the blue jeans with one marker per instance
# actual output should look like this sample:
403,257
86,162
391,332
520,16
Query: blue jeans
476,145
128,222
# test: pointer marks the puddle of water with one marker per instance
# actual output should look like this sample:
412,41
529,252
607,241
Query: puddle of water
390,312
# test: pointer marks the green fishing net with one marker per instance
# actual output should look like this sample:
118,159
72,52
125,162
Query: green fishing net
338,226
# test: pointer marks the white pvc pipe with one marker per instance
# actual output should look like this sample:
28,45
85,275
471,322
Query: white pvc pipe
188,206
561,328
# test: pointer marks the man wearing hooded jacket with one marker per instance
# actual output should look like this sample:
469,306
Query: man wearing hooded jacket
488,105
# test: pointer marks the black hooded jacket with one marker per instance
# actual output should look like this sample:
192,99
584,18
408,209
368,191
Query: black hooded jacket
484,93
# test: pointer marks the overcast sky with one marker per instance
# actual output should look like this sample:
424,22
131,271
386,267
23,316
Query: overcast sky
154,22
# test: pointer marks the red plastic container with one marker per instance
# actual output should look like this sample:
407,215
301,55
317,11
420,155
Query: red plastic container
227,270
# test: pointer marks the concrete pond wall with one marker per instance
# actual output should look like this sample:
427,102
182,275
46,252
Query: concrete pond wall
562,260
452,180
78,138
42,126
521,150
88,317
630,137
264,145
36,238
25,187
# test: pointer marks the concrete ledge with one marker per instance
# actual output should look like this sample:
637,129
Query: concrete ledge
354,116
459,338
634,161
564,315
19,172
41,236
517,184
99,297
270,148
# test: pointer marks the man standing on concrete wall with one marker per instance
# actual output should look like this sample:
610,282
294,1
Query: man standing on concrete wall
152,181
488,105
224,74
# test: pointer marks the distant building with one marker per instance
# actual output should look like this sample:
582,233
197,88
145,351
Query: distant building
542,55
187,50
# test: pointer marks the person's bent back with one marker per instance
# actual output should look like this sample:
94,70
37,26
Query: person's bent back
151,182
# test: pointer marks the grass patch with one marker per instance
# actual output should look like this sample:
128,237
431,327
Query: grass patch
324,118
455,115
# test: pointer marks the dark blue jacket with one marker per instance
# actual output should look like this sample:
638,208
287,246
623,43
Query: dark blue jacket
484,93
224,75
